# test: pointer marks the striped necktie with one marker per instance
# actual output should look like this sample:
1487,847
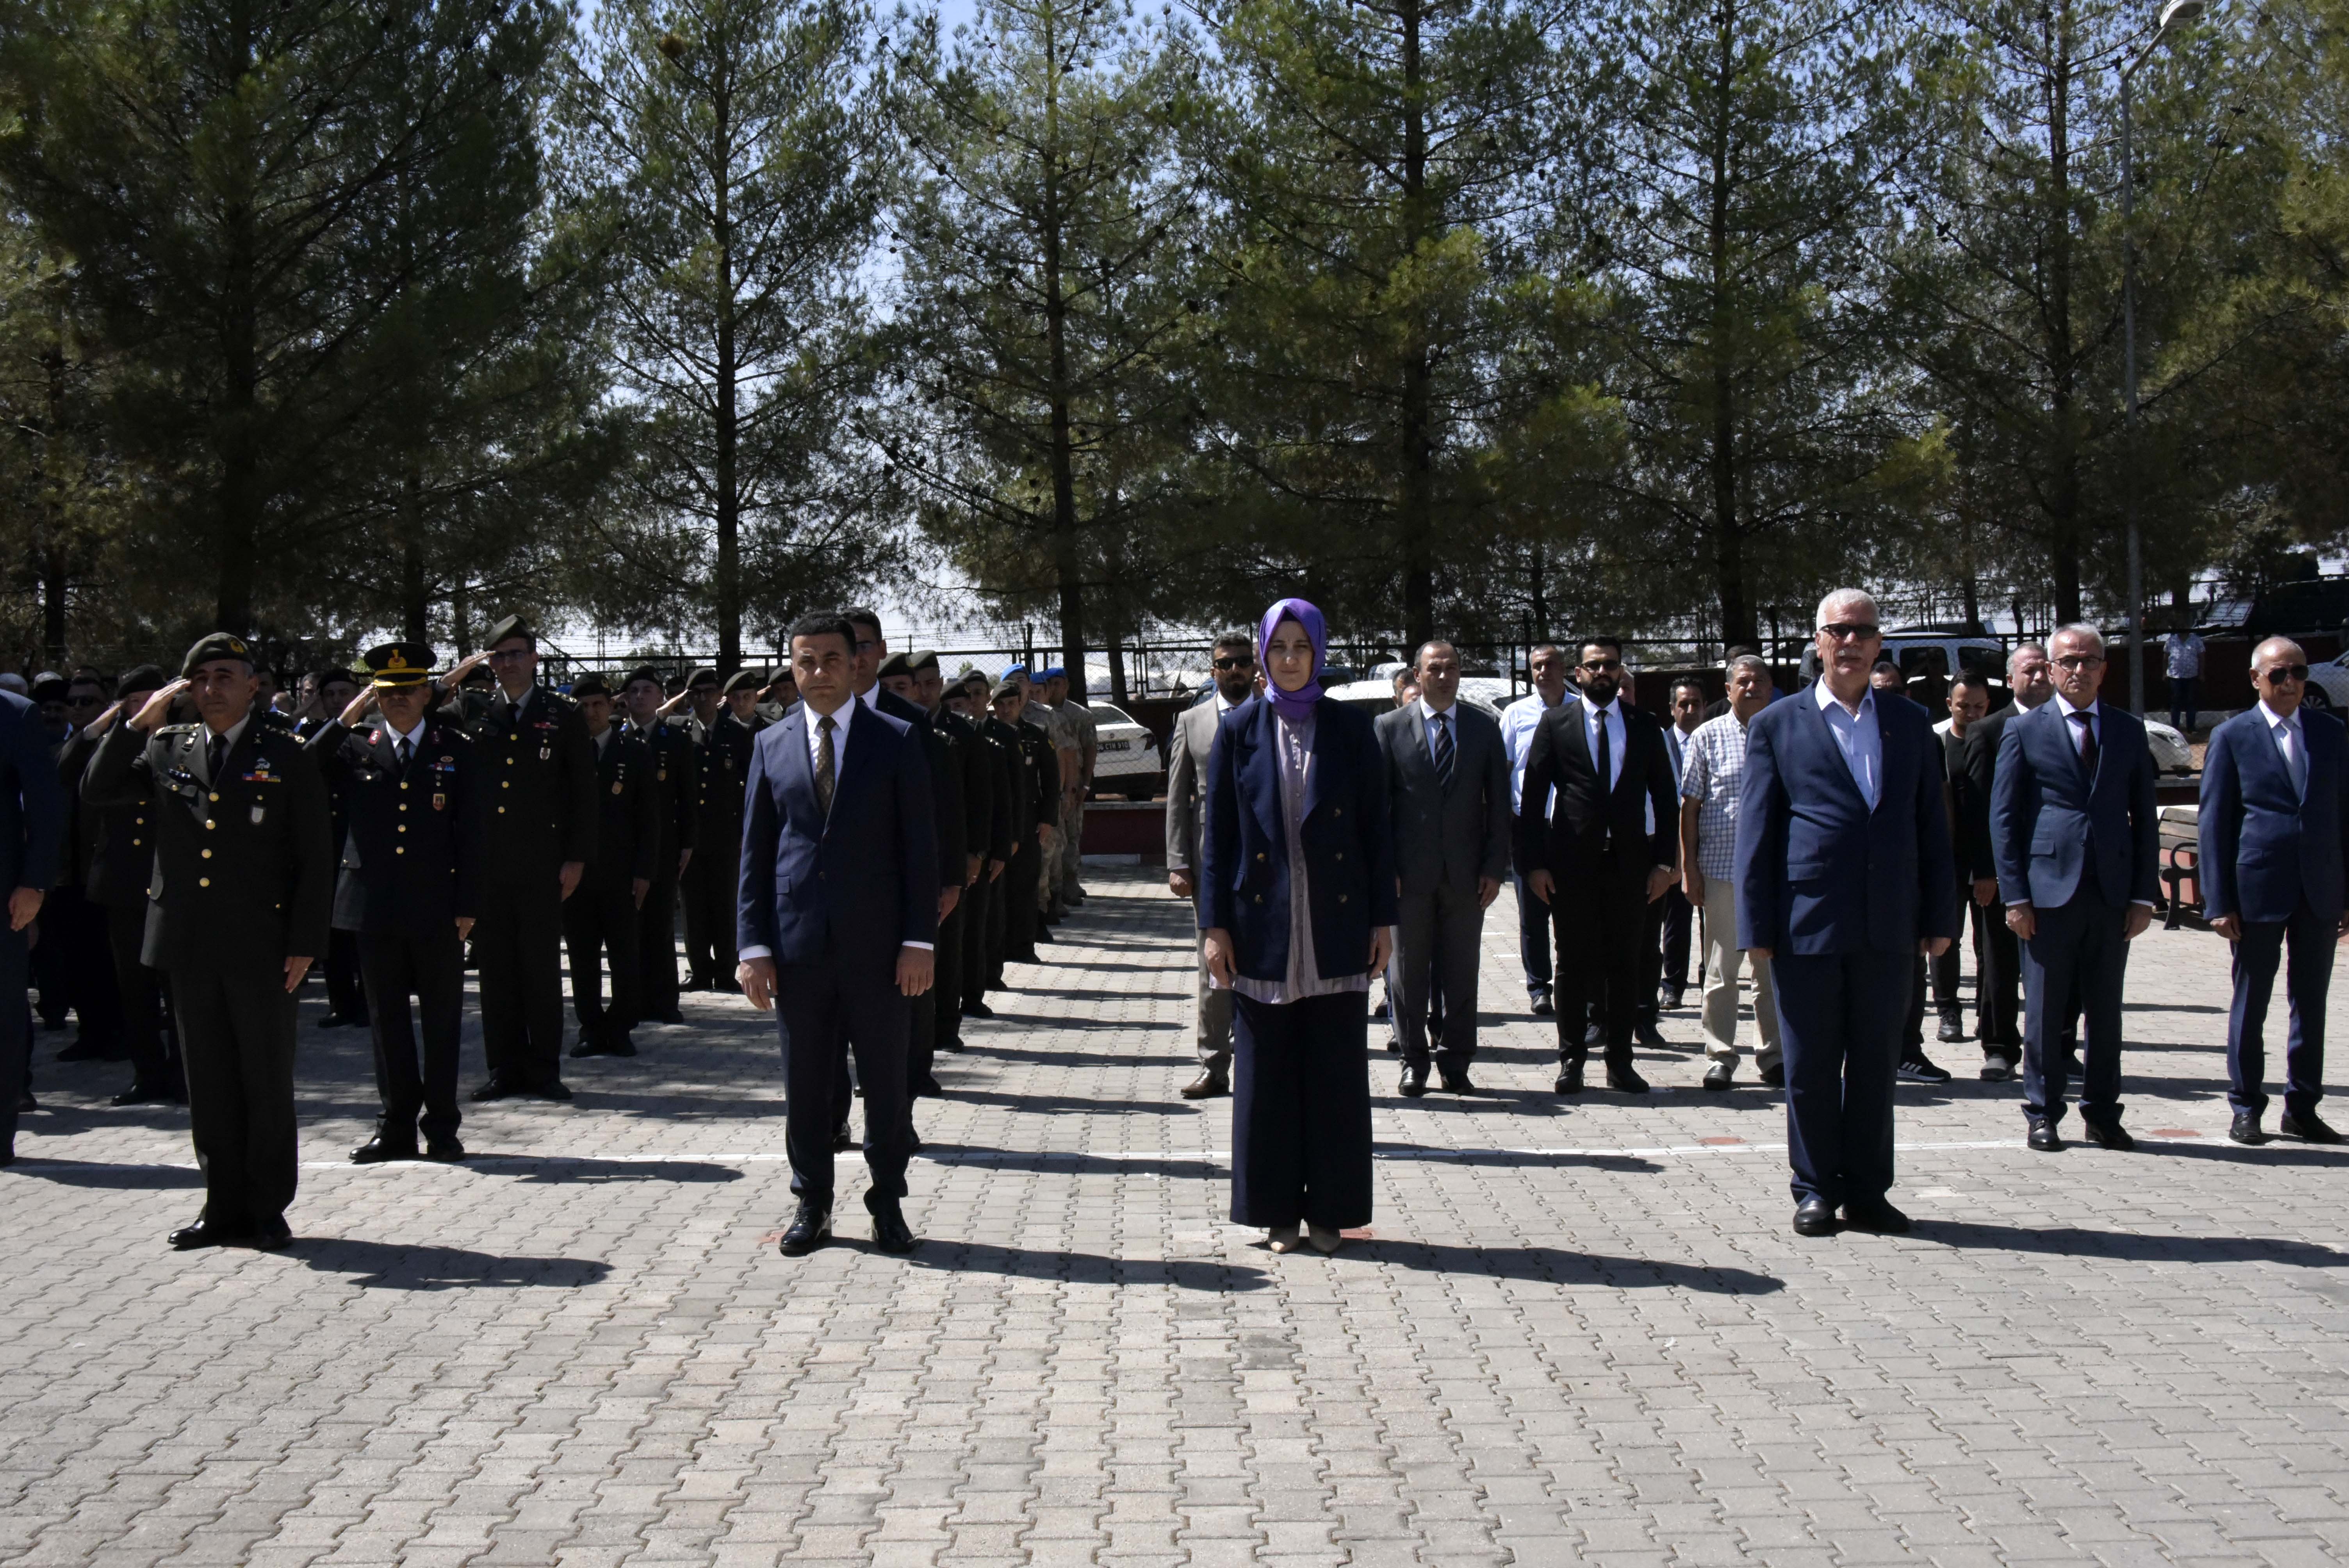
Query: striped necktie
1444,750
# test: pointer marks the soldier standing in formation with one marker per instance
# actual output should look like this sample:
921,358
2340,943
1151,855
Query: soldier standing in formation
539,773
601,919
671,786
410,889
243,880
982,943
721,737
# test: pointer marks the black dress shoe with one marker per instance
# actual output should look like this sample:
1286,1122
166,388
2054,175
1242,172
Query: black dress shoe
1209,1084
1668,999
1414,1081
2109,1135
890,1231
1718,1076
1876,1214
142,1094
203,1233
979,1009
588,1045
2044,1137
1380,1011
552,1088
1594,1035
927,1086
808,1229
493,1087
273,1236
1456,1083
2246,1127
7,1158
1953,1030
2309,1128
1624,1078
1569,1078
25,1102
672,1017
1814,1217
956,1046
1543,1007
446,1151
842,1139
620,1046
1774,1074
331,1021
378,1149
1648,1035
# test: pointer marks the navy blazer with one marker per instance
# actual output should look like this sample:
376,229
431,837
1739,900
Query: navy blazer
855,886
1817,871
2056,834
1349,843
2265,847
32,804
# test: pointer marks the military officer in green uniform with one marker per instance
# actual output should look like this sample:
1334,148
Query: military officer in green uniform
671,785
1036,810
243,880
538,773
722,735
602,921
410,890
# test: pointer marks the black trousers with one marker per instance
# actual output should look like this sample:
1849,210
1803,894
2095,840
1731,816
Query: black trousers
1439,937
708,891
817,1009
1533,930
2074,962
16,1029
76,927
944,995
1601,920
345,984
657,949
147,1029
982,942
1998,981
518,951
1019,912
236,1037
430,966
1301,1111
2308,977
600,929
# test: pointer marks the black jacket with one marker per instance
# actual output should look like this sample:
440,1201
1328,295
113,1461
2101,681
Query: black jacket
672,787
629,838
721,768
538,772
945,783
245,864
1588,816
977,769
415,838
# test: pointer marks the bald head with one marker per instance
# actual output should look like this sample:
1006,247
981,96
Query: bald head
2280,676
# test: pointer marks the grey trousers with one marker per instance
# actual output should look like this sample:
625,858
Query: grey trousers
1214,1038
1439,938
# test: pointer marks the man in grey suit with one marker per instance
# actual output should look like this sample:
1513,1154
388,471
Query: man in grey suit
1448,783
1187,750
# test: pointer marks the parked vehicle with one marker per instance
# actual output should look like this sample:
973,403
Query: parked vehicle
1128,762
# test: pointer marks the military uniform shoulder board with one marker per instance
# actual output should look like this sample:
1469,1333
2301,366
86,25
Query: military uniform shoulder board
176,730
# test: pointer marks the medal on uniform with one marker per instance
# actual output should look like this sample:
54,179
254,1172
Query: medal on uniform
256,815
617,786
439,802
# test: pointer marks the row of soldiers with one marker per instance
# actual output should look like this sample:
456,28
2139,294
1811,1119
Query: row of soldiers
482,809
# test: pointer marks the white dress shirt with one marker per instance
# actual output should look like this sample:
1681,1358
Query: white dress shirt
2290,744
1611,716
1857,737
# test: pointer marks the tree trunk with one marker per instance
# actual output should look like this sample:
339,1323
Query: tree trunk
2063,355
729,586
1736,606
461,617
1117,686
1417,518
235,448
1067,566
415,593
55,563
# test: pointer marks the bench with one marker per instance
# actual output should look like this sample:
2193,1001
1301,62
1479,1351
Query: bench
2181,858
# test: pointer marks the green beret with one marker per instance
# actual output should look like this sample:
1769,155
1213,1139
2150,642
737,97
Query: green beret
746,680
140,678
896,664
643,672
1003,688
590,684
511,627
219,645
922,659
702,677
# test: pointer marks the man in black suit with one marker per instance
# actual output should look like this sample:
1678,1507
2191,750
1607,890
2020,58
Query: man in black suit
1999,979
725,721
1448,787
410,889
32,838
243,893
122,869
838,920
539,774
975,782
982,957
1605,851
670,783
601,921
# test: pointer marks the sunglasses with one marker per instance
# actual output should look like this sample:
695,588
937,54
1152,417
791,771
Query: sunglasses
1851,630
1600,666
2283,675
2081,661
1234,664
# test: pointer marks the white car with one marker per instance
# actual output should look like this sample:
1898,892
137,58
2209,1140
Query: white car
1127,762
2328,686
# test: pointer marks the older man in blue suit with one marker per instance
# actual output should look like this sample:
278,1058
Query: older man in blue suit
2075,834
1842,857
838,919
2274,817
32,835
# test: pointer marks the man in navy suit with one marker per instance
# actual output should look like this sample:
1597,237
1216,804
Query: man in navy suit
1843,858
2074,833
32,836
2274,817
838,919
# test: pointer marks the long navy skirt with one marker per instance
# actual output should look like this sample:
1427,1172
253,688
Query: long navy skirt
1301,1111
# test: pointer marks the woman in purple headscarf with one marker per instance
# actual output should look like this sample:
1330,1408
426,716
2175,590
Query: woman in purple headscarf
1296,897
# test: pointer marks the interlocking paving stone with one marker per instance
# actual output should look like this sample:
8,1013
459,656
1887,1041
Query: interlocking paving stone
1579,1332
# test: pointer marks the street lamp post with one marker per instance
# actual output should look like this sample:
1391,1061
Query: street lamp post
2176,13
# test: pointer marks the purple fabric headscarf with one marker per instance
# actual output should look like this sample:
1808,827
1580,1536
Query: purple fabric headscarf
1293,706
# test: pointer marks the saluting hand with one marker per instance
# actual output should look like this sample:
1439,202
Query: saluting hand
158,708
355,709
457,675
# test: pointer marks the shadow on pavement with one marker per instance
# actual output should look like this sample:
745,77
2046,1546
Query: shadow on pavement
101,1173
1556,1265
1631,1164
1056,1163
2071,1242
551,1170
382,1265
1086,1268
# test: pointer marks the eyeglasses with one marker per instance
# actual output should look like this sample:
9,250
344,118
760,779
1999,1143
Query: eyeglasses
2282,674
1850,630
1600,666
1234,664
2076,662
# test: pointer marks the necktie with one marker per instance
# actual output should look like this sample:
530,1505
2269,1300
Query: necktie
824,764
1444,750
215,754
2087,742
403,754
2295,761
1606,782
